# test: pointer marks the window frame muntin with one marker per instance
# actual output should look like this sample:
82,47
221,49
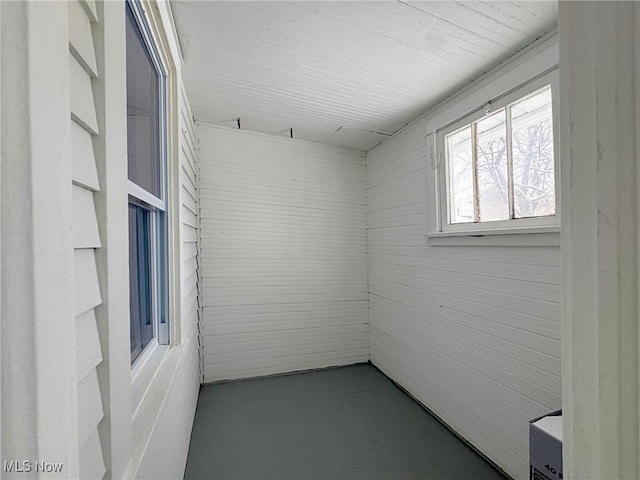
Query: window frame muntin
143,198
548,77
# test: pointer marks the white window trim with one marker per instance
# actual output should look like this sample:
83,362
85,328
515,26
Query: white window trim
147,365
133,427
541,231
143,371
506,237
141,194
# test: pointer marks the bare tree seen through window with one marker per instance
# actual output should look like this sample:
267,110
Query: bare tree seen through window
479,187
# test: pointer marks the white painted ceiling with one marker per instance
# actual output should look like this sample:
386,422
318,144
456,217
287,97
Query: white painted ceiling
345,73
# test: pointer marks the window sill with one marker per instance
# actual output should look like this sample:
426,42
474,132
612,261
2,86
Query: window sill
507,237
143,372
151,404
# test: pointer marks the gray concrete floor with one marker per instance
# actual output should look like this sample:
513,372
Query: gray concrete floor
343,423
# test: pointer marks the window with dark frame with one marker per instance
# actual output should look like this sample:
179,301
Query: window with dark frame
146,137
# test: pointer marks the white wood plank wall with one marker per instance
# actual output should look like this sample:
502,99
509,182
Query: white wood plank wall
284,259
472,332
190,308
84,126
168,459
165,459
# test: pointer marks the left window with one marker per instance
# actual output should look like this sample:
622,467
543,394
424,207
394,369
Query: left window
147,187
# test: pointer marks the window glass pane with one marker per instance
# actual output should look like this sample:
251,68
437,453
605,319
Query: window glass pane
140,306
460,176
493,184
533,162
143,134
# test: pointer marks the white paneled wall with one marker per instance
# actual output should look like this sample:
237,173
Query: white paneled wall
65,221
187,391
84,126
472,332
167,459
189,220
284,259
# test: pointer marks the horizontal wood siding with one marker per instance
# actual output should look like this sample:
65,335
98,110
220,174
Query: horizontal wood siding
472,332
188,220
168,445
284,255
84,126
189,375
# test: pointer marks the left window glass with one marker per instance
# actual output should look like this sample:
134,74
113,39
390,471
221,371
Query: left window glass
140,293
143,120
146,138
